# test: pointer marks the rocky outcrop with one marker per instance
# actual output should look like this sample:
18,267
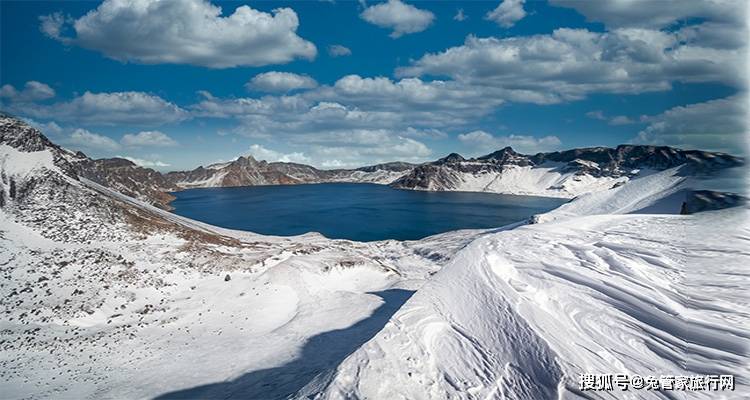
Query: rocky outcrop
707,200
247,171
561,173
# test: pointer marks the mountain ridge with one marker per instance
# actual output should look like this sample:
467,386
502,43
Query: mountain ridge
565,174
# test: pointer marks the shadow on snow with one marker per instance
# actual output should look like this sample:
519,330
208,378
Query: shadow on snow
320,354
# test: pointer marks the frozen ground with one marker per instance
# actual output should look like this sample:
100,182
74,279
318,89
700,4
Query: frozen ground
102,296
521,313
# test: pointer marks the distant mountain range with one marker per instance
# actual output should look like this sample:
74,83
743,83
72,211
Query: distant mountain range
563,174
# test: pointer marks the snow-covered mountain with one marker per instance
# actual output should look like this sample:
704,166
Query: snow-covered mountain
247,171
558,174
563,174
105,296
117,173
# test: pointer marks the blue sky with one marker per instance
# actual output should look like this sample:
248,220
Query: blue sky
339,84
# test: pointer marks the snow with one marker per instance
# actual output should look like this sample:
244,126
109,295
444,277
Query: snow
214,181
104,296
21,164
547,180
521,313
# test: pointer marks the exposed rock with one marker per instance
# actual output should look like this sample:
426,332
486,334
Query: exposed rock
707,200
624,161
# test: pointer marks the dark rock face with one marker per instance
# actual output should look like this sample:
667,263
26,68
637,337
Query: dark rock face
19,135
707,200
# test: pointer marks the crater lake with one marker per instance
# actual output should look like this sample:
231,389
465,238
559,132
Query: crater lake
354,211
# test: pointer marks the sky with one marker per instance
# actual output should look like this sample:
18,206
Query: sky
172,85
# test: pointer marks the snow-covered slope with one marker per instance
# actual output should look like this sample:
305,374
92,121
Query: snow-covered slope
104,296
521,313
100,291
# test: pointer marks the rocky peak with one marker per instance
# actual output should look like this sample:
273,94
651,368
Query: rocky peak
246,161
117,162
18,134
450,158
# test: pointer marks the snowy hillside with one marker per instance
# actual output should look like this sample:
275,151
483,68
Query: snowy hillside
564,174
104,296
100,290
521,313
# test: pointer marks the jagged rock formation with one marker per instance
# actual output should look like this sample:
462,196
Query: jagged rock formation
247,171
559,174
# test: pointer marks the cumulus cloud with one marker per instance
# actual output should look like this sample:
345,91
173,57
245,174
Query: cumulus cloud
484,143
658,14
148,139
402,18
355,102
337,50
82,138
135,108
146,163
569,64
32,91
280,82
261,153
185,32
507,13
719,125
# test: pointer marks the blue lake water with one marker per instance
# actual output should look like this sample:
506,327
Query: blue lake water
362,212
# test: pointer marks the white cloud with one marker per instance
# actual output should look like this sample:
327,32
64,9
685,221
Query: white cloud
275,81
357,148
621,120
656,14
507,13
616,120
148,139
261,153
52,25
82,138
146,163
337,50
185,32
569,64
719,125
460,15
108,109
32,91
402,18
484,143
596,114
